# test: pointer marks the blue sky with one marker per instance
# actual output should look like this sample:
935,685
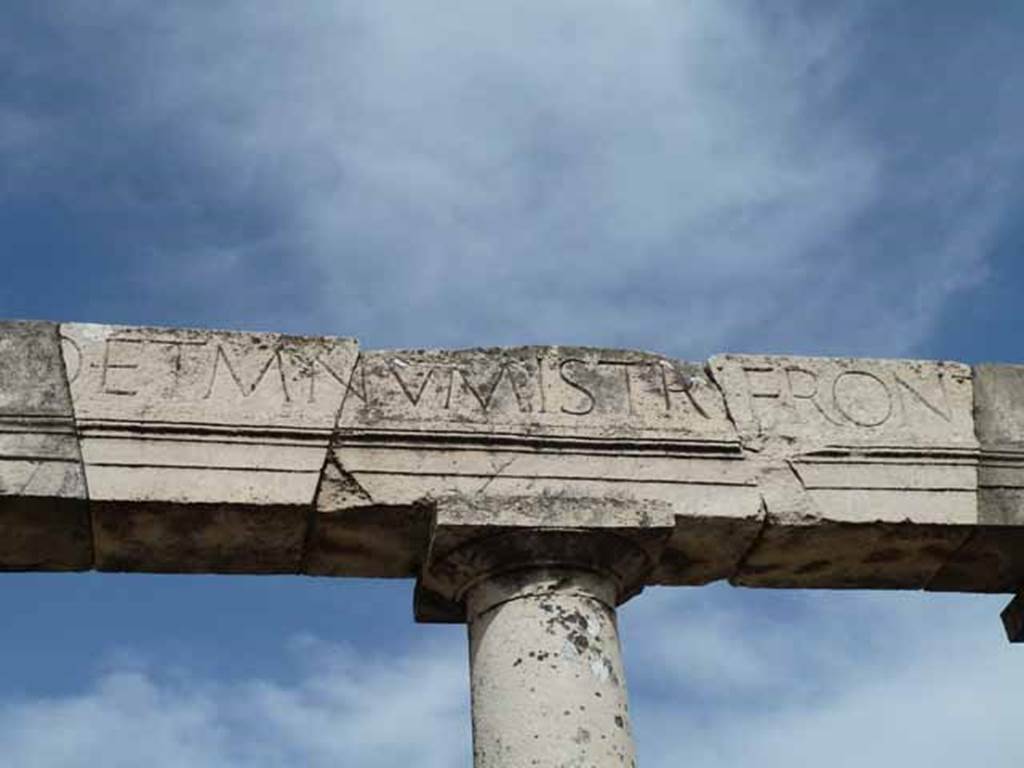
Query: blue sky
837,178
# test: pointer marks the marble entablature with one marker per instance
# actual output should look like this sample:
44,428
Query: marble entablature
168,450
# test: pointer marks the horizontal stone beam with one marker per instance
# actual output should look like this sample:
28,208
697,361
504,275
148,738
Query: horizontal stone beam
169,450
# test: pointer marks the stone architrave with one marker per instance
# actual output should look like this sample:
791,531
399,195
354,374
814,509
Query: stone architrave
991,558
867,468
533,437
44,518
529,490
169,450
203,450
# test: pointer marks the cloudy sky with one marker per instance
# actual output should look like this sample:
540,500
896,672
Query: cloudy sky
686,176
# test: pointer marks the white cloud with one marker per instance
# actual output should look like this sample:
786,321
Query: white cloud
678,176
842,679
717,680
550,171
343,708
650,173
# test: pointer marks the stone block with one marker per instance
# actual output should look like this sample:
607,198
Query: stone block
352,536
212,451
44,522
702,549
570,392
867,468
835,555
191,438
482,426
992,560
160,537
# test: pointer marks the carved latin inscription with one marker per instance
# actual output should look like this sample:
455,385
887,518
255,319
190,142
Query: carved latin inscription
535,389
201,377
849,401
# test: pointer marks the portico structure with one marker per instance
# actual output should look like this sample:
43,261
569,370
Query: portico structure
529,491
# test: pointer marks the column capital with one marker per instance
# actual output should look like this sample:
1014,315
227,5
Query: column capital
475,540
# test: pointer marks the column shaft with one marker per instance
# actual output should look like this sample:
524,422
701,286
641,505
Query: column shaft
548,687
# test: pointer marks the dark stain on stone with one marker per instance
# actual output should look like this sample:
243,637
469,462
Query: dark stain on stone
888,555
939,551
582,736
579,641
754,570
815,566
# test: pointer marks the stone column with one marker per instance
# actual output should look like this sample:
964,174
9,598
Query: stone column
548,687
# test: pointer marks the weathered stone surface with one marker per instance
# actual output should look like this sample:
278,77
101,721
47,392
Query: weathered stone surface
155,537
574,392
241,452
195,436
528,490
548,685
835,555
214,379
705,549
473,539
992,559
352,536
849,402
487,427
867,468
44,521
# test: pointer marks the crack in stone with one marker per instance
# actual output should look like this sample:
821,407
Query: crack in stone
766,457
348,389
742,562
311,516
710,372
497,473
93,547
799,478
969,537
31,478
